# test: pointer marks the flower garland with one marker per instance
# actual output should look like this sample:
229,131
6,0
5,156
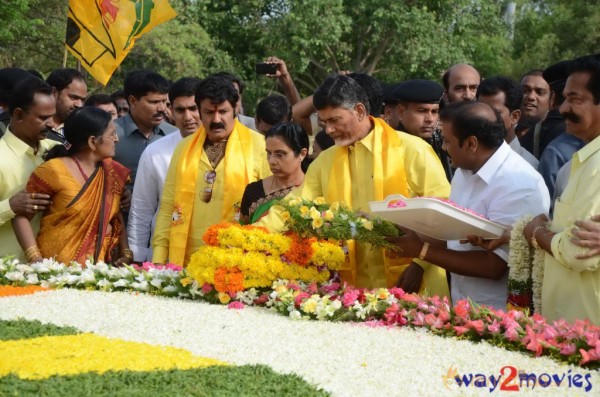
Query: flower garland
577,343
520,257
336,221
526,271
239,257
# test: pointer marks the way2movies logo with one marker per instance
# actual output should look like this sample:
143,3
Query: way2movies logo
510,378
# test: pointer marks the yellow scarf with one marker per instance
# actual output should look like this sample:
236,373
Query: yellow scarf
238,166
389,177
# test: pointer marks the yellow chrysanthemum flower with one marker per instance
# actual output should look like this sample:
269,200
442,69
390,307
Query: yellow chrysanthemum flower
328,215
320,201
304,210
285,215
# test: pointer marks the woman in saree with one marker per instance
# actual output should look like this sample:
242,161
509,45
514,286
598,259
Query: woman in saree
287,151
84,220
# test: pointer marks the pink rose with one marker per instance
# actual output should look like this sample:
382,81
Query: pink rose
206,288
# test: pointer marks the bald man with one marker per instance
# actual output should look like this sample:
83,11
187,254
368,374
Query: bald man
460,83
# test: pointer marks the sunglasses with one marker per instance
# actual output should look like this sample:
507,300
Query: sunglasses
209,178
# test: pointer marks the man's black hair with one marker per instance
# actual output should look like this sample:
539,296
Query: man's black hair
513,92
472,119
233,78
61,78
139,83
374,92
185,86
340,91
99,99
589,64
274,109
23,94
217,90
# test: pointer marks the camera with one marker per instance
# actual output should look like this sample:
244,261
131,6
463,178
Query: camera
266,68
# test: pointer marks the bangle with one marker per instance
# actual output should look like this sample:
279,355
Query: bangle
127,253
32,253
534,242
424,251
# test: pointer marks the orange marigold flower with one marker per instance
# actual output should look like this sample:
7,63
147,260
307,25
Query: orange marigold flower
229,279
211,236
300,251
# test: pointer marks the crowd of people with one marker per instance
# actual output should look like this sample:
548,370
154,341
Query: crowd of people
139,175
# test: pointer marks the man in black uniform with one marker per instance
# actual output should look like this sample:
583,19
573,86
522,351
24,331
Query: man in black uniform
418,114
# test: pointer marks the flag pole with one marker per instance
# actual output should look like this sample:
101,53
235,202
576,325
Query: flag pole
65,58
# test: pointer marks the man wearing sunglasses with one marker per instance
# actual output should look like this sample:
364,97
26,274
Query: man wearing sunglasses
207,175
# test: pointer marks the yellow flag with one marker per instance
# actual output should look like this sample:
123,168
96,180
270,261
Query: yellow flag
100,33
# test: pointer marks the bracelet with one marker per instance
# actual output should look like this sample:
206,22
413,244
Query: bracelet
32,253
127,253
424,251
534,242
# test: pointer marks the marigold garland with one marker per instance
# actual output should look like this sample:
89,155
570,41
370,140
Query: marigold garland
240,257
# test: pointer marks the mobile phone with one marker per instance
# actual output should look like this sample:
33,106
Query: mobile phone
266,68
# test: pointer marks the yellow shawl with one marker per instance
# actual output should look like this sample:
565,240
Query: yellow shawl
389,177
238,166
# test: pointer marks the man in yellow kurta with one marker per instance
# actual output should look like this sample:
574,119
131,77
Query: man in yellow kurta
208,173
369,162
571,284
32,106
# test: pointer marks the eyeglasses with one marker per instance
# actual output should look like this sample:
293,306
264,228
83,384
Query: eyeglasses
122,108
112,136
209,177
277,156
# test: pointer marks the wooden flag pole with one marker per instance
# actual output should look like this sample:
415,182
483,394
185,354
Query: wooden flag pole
65,57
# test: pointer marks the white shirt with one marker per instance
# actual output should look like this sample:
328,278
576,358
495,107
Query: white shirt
505,189
151,174
247,121
530,158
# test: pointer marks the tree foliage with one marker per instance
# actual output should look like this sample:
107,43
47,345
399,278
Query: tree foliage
392,40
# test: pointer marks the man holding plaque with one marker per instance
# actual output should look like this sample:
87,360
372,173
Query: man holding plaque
491,180
208,174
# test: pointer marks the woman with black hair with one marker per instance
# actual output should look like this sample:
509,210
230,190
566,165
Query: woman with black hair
287,151
85,185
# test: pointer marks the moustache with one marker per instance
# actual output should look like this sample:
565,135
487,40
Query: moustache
571,117
161,114
216,126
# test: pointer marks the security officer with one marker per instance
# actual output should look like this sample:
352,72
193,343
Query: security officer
418,113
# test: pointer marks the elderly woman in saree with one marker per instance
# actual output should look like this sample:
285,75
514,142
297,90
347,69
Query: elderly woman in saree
84,220
287,151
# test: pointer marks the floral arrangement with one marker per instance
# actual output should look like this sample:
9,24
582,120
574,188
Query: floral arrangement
238,257
577,343
526,271
159,280
335,221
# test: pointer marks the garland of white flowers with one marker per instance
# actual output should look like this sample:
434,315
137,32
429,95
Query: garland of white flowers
520,257
537,277
526,265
